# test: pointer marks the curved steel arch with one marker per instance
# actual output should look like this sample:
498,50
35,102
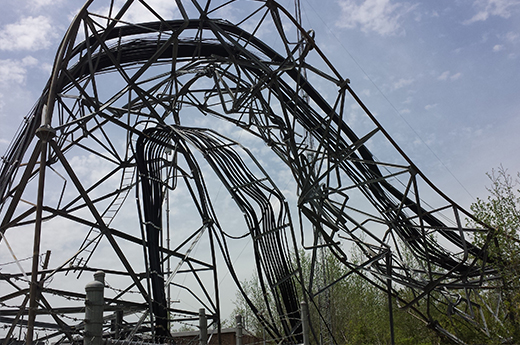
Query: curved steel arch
125,97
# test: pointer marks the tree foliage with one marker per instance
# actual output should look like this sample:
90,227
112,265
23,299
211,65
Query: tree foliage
501,211
355,311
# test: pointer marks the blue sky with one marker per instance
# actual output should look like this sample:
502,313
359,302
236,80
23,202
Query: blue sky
442,76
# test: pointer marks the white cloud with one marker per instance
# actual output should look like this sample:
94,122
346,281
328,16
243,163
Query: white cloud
380,16
83,167
488,8
444,75
29,61
37,4
430,106
402,83
46,67
456,76
15,71
507,40
29,33
137,13
2,105
366,92
447,75
511,36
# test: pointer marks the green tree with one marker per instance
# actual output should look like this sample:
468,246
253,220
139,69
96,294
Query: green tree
357,311
249,320
501,211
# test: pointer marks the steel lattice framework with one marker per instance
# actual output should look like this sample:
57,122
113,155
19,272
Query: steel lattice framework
123,123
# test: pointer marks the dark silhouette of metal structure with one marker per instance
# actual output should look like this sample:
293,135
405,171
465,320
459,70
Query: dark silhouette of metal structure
121,125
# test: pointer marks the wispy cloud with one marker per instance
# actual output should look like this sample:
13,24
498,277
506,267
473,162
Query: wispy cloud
366,92
2,105
444,75
15,71
29,33
380,16
455,76
498,47
447,75
138,13
511,37
488,8
507,42
37,4
402,83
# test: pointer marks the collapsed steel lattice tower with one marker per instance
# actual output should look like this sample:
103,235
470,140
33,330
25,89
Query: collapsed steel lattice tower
137,111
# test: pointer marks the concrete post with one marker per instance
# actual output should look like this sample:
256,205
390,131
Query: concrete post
94,310
203,327
238,320
305,322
